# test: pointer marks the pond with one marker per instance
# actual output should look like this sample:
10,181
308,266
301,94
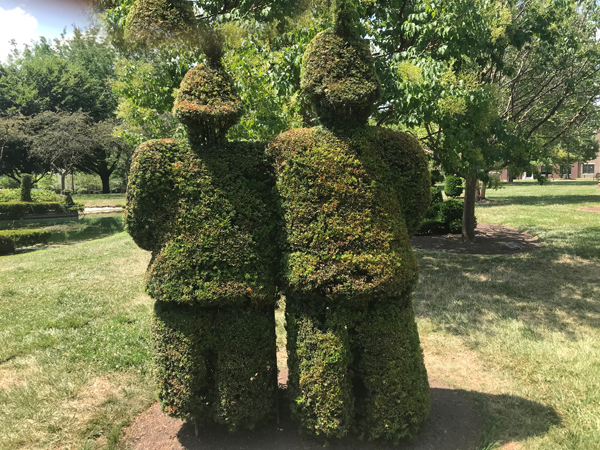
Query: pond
71,230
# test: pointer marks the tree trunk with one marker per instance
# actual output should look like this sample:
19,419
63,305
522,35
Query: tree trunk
105,183
468,225
477,190
72,183
482,193
63,181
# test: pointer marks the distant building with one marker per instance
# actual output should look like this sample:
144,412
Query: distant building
588,169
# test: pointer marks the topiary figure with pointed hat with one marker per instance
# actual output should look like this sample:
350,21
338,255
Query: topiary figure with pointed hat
206,209
352,195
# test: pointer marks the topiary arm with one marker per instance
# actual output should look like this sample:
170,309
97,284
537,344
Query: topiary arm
151,195
410,174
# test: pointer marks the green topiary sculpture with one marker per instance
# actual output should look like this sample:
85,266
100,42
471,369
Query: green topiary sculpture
208,212
352,195
453,186
26,187
152,23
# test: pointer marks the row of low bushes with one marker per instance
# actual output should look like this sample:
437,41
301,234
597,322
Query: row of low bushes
84,191
14,195
16,210
442,216
13,239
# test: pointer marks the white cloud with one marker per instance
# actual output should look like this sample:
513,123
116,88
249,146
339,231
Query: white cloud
18,25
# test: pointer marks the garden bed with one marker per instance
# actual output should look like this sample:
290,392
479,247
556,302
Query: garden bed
489,240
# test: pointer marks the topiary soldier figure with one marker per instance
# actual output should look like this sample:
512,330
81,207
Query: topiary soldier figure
352,195
207,211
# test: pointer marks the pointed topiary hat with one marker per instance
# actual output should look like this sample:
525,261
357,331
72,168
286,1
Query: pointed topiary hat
338,73
208,102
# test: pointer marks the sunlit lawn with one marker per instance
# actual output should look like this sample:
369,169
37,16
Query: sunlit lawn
91,200
520,333
527,325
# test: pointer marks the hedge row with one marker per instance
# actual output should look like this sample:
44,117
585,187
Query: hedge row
16,210
13,239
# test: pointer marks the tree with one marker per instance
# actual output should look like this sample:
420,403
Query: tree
458,74
66,75
62,141
105,152
16,156
452,72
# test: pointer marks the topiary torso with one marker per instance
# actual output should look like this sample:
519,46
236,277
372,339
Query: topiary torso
211,228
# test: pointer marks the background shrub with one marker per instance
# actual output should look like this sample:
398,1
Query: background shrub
68,199
451,210
16,210
26,238
38,196
443,216
6,246
25,188
82,191
436,177
453,186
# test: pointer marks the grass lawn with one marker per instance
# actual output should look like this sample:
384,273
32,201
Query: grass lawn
91,200
519,333
74,344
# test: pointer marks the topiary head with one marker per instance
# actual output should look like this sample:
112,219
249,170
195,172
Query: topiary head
153,23
338,75
208,103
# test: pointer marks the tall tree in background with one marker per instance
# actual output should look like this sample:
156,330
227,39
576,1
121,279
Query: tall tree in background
61,140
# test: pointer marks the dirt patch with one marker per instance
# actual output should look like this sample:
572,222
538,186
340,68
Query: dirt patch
595,209
489,240
10,378
453,424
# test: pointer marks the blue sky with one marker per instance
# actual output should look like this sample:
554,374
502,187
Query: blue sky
24,20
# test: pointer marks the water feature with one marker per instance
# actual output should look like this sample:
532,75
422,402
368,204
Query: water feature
70,230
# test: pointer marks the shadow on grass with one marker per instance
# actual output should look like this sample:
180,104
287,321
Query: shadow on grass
542,290
459,420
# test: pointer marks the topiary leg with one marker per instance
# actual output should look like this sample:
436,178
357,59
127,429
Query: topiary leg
183,341
318,360
246,367
215,364
391,381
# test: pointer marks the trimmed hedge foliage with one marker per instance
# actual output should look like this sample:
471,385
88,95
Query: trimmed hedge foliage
343,93
443,217
453,186
152,23
352,196
346,226
208,103
356,369
208,211
16,210
216,365
12,239
67,198
25,188
210,216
